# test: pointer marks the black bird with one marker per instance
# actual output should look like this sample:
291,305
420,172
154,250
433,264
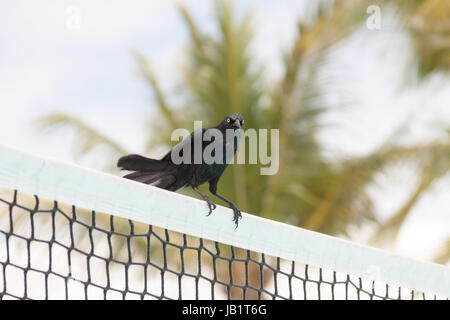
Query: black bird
168,175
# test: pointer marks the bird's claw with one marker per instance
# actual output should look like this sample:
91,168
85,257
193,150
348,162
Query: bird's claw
212,206
237,215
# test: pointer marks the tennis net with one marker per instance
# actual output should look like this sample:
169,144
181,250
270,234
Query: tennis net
68,232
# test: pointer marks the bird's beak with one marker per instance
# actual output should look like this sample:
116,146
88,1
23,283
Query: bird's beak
237,124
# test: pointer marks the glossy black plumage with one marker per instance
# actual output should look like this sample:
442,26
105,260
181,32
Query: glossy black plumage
166,174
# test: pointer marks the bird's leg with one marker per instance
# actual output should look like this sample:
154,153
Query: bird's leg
236,211
213,190
211,205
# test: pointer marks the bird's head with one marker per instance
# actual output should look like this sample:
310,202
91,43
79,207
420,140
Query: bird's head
233,121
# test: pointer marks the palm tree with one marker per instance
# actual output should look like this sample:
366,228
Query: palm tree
309,190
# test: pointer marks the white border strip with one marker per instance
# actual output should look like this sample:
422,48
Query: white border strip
93,190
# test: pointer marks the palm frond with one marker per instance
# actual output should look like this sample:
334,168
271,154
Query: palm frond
88,137
443,256
435,161
290,109
429,24
345,195
150,77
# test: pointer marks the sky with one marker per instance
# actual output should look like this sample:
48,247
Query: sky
50,63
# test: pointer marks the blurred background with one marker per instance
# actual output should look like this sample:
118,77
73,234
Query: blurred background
360,91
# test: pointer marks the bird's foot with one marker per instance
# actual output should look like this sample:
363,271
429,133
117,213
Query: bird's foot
212,206
237,215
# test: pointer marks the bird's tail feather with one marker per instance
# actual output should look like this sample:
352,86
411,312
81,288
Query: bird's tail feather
159,179
149,171
144,177
136,162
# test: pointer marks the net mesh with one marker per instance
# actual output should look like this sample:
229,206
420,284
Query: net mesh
53,251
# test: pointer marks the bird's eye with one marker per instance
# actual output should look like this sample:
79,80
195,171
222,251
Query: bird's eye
228,120
242,122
